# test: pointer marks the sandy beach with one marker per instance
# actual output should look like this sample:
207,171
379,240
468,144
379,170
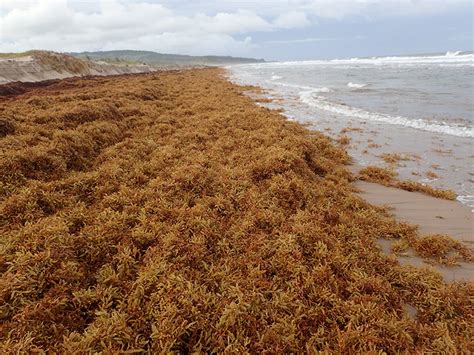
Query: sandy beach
409,114
432,216
168,212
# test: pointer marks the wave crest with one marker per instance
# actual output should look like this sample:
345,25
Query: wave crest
320,102
356,86
449,59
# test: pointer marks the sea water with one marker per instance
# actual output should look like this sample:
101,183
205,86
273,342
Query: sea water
418,106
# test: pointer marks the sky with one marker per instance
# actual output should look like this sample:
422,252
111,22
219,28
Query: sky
270,29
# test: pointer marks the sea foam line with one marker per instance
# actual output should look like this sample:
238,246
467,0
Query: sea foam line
449,59
352,85
302,87
322,103
467,200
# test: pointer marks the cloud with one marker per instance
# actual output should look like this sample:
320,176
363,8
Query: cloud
46,16
303,40
8,5
373,9
231,23
293,19
112,24
181,26
328,9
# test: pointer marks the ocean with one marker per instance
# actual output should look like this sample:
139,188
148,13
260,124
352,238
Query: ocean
420,107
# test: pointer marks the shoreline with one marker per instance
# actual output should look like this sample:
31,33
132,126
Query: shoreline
432,216
456,219
170,212
438,160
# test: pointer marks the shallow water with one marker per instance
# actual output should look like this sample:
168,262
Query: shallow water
420,106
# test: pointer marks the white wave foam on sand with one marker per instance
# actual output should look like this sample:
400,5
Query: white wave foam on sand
310,98
467,200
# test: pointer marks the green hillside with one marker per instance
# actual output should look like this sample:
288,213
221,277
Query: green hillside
148,57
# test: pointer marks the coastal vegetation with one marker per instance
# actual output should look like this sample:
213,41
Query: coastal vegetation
153,58
167,212
55,61
16,55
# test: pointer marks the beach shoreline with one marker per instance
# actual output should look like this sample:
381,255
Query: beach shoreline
169,212
430,214
419,128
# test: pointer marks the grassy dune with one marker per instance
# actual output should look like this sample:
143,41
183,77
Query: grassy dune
16,55
168,212
51,60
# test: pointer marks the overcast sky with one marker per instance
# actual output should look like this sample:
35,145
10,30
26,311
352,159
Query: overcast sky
270,29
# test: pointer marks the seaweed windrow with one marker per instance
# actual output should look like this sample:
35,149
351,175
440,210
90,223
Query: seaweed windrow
168,212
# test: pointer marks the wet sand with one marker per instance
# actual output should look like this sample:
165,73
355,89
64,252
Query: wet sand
432,215
438,160
441,158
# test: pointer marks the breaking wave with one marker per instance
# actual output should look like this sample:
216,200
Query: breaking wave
356,86
301,87
449,59
311,98
453,54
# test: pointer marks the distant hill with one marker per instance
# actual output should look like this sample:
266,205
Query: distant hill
153,58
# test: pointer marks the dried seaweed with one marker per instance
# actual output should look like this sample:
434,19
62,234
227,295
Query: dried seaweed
387,177
168,212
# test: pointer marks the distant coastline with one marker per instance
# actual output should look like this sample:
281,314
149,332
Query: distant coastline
153,58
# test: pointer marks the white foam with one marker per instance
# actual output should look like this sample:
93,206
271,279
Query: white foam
276,77
322,90
303,87
294,86
427,181
356,86
450,58
320,102
467,200
453,54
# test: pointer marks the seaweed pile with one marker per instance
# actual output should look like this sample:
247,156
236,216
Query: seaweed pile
387,177
168,212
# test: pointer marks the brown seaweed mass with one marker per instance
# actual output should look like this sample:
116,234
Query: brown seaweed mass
169,212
